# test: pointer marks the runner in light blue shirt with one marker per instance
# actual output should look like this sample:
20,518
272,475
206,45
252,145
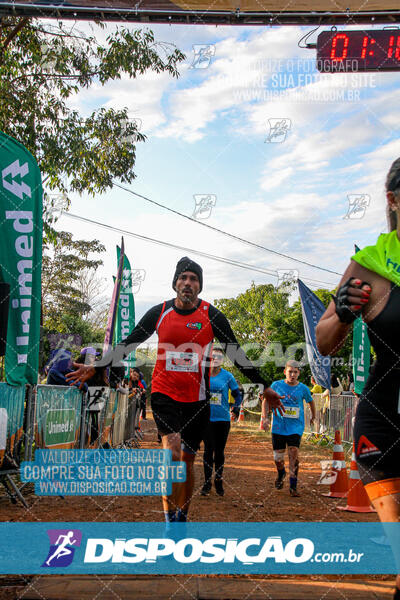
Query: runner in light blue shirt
221,382
220,385
288,428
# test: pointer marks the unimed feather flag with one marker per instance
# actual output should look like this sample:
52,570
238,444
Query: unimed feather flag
21,258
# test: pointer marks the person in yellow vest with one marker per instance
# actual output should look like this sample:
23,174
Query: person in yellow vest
316,388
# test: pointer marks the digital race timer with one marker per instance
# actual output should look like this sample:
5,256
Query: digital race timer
372,50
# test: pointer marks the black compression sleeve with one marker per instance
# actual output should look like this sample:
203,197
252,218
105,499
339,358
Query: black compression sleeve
143,330
224,334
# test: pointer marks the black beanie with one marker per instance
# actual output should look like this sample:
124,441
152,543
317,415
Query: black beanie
185,264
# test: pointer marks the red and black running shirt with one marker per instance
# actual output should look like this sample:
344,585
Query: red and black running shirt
185,337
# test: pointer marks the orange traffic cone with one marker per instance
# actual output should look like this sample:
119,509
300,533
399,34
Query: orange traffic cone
339,488
241,415
357,500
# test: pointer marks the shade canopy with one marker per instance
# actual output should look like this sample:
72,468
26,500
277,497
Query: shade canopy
233,12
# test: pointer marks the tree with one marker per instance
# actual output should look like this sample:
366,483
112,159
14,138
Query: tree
259,317
92,289
64,264
263,317
42,67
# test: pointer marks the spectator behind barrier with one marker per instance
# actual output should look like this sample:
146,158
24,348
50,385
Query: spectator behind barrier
137,384
60,364
116,376
123,387
316,388
88,357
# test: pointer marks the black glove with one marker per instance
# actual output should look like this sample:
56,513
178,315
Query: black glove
342,302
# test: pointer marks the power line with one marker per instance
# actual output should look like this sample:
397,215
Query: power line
222,259
230,235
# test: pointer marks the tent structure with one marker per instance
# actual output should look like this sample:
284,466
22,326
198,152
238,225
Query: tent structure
223,12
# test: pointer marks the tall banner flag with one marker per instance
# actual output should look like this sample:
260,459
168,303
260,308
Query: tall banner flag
21,258
361,352
312,309
126,308
112,315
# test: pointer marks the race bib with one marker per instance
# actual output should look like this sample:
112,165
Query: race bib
187,362
291,412
216,399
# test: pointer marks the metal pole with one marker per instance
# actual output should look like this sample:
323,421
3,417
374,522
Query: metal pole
82,436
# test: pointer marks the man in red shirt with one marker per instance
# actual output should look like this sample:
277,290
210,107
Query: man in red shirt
186,327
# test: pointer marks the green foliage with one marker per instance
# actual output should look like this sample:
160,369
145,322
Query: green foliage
42,66
64,305
262,316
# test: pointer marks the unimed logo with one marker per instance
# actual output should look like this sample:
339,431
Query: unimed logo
62,547
190,550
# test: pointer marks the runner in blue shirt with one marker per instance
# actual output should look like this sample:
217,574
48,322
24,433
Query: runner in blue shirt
288,428
221,382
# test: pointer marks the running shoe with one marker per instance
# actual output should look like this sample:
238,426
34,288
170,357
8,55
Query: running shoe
279,480
294,493
206,489
219,488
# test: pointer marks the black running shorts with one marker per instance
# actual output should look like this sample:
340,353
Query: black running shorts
279,442
190,419
377,443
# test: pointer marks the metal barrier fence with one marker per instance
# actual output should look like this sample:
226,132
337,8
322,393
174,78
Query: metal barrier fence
68,418
59,420
15,423
48,416
12,406
334,413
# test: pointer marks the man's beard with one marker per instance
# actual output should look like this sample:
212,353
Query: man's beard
186,299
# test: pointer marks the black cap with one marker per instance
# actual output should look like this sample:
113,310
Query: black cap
186,264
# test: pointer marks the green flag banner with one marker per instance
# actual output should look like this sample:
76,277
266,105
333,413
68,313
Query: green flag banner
21,258
126,308
361,351
361,355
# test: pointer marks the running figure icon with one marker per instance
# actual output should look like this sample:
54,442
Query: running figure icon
62,549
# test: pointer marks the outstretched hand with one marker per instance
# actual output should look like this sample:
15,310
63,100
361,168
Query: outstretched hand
81,375
274,400
350,299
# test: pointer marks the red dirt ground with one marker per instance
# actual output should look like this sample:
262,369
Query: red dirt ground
249,490
249,496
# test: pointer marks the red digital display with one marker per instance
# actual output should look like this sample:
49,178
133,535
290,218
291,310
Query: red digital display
372,50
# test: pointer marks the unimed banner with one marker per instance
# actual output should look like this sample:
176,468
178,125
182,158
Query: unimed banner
58,414
125,321
21,258
361,355
361,352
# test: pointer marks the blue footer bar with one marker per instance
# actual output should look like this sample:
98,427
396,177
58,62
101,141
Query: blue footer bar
200,548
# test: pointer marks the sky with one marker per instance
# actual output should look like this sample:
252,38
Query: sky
211,133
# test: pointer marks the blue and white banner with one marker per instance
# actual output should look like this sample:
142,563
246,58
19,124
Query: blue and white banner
197,548
313,309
